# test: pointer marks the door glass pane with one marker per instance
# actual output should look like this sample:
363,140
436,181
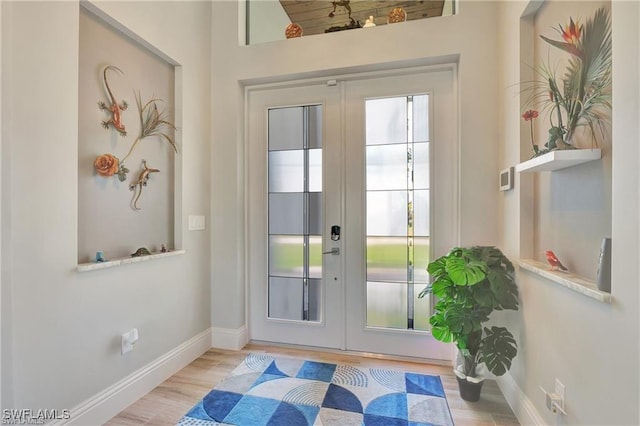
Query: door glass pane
285,213
315,213
421,213
286,255
421,165
314,114
386,121
387,259
422,257
387,213
285,298
421,309
421,127
315,256
286,127
314,296
315,170
286,171
398,215
387,305
295,213
386,167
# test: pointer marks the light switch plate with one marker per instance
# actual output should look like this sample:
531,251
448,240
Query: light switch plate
196,223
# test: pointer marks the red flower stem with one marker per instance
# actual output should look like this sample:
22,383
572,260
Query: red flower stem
533,144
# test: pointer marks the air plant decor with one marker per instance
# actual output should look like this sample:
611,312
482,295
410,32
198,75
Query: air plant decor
581,97
153,122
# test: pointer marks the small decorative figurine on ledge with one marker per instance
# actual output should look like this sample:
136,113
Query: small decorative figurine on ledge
369,23
554,261
142,181
352,22
113,107
100,257
163,248
142,251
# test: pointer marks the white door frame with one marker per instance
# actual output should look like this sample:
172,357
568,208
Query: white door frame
331,79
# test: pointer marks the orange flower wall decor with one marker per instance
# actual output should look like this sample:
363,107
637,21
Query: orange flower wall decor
106,165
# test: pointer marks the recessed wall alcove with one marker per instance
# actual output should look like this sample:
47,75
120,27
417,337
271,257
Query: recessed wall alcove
566,210
107,219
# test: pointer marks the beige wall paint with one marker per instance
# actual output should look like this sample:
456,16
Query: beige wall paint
591,347
471,38
65,326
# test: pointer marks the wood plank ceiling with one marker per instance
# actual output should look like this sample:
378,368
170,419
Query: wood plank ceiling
313,15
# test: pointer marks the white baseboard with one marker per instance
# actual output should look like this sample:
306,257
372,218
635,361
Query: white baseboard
521,405
106,404
229,338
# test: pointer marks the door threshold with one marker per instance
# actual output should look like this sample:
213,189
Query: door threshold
386,357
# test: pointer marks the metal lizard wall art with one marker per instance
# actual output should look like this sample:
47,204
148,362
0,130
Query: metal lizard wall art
142,181
114,108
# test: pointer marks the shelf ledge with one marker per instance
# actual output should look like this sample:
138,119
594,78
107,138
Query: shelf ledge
566,279
559,159
84,267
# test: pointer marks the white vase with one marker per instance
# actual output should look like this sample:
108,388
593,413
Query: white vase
603,276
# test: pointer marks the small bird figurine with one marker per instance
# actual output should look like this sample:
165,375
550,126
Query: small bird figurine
554,261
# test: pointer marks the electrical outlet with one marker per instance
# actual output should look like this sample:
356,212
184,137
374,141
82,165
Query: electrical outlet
128,340
560,394
555,400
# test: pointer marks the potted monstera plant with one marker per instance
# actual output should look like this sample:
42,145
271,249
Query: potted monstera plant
471,283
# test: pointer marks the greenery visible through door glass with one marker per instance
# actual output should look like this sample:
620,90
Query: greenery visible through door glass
397,209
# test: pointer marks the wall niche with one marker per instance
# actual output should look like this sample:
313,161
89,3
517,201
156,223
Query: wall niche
568,208
108,220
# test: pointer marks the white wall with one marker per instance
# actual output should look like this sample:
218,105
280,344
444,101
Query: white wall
64,330
591,347
470,36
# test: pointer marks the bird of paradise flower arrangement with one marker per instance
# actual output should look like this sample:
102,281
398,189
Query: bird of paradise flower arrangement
582,96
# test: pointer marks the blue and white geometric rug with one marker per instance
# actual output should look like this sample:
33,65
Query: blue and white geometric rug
265,390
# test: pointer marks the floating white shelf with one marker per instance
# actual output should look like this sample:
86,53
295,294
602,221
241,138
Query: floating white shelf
566,279
560,159
83,267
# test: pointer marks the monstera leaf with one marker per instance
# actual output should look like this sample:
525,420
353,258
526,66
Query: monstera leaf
504,290
465,271
498,349
439,329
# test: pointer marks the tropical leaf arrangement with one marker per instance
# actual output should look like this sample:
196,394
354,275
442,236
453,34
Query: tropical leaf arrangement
471,283
581,96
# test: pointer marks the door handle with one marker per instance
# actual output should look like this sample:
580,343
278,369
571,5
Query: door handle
334,251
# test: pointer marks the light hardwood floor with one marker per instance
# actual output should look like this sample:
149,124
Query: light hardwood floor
167,403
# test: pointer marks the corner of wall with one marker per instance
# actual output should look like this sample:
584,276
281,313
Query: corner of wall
228,338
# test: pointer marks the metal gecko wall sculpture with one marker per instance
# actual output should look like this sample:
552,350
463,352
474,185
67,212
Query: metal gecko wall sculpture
143,178
114,108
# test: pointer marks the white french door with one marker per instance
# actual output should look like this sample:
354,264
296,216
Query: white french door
351,191
294,151
400,204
